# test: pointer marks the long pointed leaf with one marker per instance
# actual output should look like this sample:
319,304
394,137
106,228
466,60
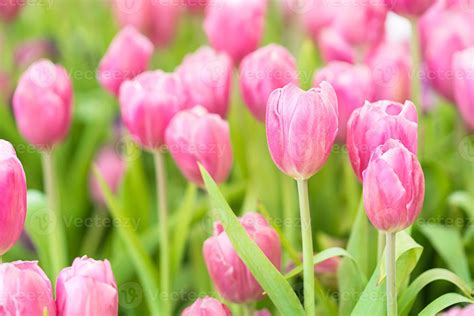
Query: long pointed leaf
442,302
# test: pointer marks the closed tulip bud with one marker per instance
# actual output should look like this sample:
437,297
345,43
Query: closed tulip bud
9,9
235,26
394,187
128,55
457,311
111,167
148,103
207,306
206,76
464,84
230,275
391,71
353,86
334,47
301,128
87,288
13,197
42,104
268,68
409,7
25,290
196,136
373,124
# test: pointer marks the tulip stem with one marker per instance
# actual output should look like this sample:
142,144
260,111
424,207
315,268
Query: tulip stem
161,196
391,275
95,233
380,245
307,239
248,309
56,234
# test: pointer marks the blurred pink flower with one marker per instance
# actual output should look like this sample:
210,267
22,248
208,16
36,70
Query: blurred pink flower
463,68
30,51
9,9
457,311
409,7
207,306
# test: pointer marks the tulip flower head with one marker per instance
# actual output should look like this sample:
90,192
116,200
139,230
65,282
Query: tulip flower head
463,67
457,311
266,69
301,128
373,124
394,187
197,136
207,306
230,275
42,104
25,290
9,9
409,7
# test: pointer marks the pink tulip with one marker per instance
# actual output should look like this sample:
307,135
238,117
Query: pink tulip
334,47
328,266
463,67
196,5
128,55
112,168
13,197
268,68
373,124
25,290
457,311
207,76
232,278
87,288
409,7
196,136
263,312
43,104
444,30
301,128
207,306
391,67
9,9
148,103
353,86
394,187
235,26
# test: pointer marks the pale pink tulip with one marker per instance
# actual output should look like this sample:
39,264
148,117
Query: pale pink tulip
463,67
207,306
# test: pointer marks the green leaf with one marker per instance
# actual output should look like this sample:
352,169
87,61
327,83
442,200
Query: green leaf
408,297
271,280
320,257
443,302
464,201
138,255
448,243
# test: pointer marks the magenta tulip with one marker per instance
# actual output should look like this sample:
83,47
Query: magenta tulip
13,197
463,67
148,103
409,7
301,128
25,290
9,9
111,167
268,68
373,124
196,5
391,67
235,27
206,76
87,288
43,104
394,187
353,86
128,55
233,280
207,306
196,136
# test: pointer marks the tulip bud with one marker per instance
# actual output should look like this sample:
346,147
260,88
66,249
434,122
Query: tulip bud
353,86
391,71
232,278
196,5
373,124
112,168
42,104
13,197
9,9
25,290
196,136
409,7
235,27
334,47
263,312
394,187
87,288
457,311
301,128
148,103
206,76
463,67
268,68
207,306
128,55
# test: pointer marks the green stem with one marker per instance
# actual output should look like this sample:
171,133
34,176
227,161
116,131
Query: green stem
380,245
161,196
94,234
307,239
248,309
57,236
391,275
289,210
